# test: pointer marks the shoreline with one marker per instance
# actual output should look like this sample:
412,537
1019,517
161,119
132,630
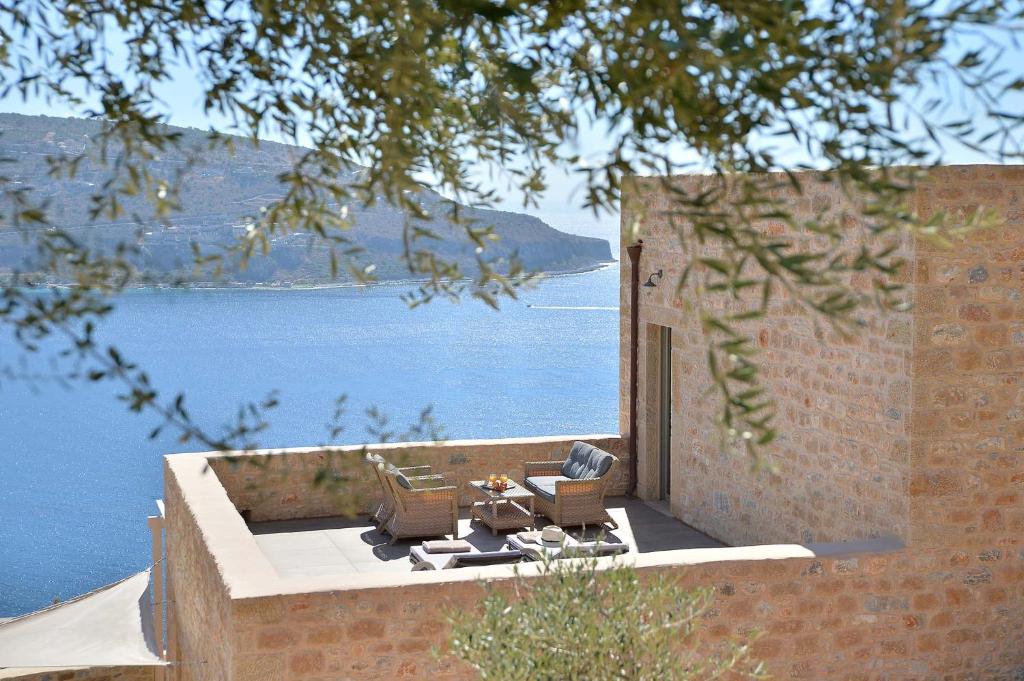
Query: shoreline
211,286
230,286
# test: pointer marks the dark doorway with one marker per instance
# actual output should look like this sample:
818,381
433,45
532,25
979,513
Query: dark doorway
665,415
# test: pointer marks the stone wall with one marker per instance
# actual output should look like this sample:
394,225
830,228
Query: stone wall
850,410
215,566
967,488
879,615
844,611
842,404
278,485
913,429
198,611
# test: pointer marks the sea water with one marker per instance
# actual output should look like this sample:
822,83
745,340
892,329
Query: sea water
78,475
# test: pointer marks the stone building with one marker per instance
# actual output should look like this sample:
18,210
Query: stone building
890,545
912,429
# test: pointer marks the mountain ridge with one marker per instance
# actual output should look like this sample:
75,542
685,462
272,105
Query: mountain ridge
218,192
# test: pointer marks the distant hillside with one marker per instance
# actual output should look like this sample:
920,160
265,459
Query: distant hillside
225,186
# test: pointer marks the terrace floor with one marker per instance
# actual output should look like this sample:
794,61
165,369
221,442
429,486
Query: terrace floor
332,546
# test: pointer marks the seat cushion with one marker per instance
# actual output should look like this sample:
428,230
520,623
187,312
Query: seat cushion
483,558
422,560
544,485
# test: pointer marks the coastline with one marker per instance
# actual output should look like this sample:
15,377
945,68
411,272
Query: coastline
234,286
552,274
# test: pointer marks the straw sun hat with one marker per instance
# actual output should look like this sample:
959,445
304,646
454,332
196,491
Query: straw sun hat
552,534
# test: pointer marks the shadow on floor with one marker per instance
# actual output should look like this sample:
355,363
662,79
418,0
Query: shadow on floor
320,546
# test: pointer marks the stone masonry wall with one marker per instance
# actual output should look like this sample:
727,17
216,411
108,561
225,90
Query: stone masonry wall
843,404
900,615
199,606
279,486
967,487
915,430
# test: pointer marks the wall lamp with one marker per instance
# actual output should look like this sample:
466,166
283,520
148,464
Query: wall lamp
650,283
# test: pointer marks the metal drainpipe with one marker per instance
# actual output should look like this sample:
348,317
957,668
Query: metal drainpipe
634,332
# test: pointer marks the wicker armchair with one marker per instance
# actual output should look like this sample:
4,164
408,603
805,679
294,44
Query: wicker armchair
384,505
571,492
423,512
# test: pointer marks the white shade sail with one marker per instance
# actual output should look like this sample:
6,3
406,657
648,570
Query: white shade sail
109,627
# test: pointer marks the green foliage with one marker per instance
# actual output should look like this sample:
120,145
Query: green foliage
430,95
576,621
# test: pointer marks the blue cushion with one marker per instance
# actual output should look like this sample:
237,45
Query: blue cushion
586,462
576,465
544,485
600,462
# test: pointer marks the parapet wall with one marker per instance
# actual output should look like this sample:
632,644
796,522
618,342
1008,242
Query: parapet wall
868,610
277,485
198,610
875,614
214,563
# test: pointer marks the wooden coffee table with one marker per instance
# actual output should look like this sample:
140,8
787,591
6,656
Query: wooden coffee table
508,510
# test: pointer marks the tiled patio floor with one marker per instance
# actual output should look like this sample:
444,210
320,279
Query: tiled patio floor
330,546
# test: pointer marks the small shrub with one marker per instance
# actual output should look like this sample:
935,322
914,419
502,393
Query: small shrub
576,621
